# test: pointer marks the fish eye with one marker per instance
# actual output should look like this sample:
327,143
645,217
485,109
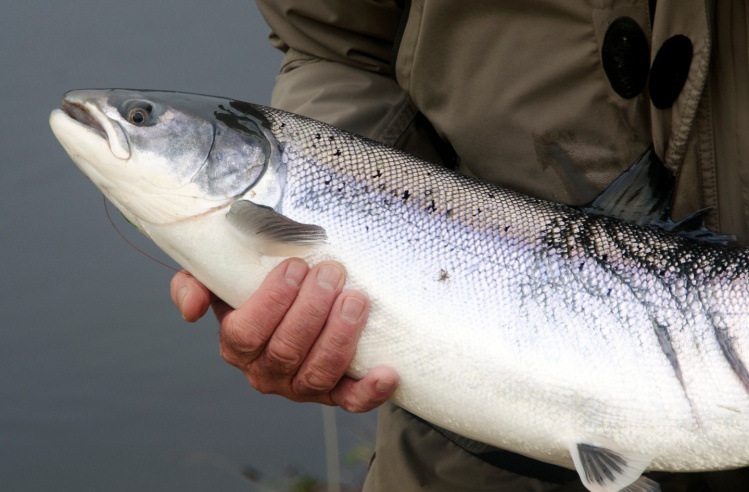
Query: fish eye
139,113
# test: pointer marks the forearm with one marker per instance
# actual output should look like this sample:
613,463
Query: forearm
362,102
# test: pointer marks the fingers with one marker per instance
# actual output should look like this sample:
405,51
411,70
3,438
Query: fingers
334,349
270,336
367,393
296,334
246,331
190,296
321,377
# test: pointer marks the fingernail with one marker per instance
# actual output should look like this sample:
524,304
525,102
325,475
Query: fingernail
295,273
329,276
384,385
352,309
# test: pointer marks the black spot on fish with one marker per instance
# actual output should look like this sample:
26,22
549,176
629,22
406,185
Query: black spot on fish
328,181
318,136
443,275
377,174
449,213
478,212
432,207
406,195
331,138
582,264
337,153
507,228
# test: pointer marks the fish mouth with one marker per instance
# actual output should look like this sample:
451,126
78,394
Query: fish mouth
79,113
87,108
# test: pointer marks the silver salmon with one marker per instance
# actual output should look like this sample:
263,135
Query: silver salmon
557,332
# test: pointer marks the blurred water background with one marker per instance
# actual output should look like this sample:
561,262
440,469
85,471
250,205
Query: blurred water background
103,386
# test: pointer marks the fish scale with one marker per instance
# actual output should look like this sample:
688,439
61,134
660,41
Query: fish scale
552,331
564,266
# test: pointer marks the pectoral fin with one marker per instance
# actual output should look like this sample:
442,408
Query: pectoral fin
272,233
603,467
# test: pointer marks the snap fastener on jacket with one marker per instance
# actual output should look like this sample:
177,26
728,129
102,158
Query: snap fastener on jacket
625,57
670,70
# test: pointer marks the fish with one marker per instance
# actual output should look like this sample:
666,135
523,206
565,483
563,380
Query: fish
604,338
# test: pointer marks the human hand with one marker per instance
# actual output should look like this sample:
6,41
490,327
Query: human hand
295,336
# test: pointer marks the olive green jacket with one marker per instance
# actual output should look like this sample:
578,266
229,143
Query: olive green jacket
520,88
553,98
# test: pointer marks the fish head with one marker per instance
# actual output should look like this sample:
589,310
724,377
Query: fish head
162,157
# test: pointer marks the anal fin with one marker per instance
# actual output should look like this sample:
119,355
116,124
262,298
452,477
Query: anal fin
604,467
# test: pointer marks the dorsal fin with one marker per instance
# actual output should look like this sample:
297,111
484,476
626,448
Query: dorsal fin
642,195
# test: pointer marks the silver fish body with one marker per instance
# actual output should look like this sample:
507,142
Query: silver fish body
522,323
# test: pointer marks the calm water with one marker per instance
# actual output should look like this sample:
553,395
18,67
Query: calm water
102,385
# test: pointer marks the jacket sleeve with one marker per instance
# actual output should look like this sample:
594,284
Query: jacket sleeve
337,69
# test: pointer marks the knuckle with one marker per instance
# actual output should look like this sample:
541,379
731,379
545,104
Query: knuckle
360,399
230,357
315,308
354,405
315,381
262,386
332,364
266,310
341,342
241,336
281,361
276,299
